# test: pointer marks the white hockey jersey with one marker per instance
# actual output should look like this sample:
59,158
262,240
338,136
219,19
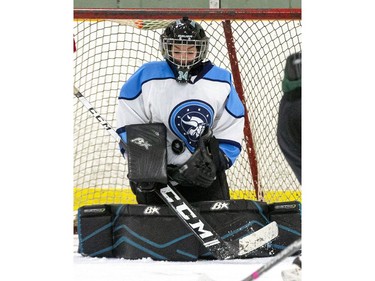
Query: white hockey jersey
152,95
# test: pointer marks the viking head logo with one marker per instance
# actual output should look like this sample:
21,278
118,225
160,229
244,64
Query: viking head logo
195,126
189,119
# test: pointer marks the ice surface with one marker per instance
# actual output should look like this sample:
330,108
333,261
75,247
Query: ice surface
112,269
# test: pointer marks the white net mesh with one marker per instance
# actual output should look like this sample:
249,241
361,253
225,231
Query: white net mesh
109,52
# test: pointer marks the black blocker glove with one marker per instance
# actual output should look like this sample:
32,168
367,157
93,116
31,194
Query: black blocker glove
199,170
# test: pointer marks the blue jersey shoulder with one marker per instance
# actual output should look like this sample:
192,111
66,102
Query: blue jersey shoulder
233,105
218,74
156,70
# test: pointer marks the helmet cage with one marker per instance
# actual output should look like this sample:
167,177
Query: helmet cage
182,62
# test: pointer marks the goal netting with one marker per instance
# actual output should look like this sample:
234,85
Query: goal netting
253,44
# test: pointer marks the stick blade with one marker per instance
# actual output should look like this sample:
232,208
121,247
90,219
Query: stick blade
258,238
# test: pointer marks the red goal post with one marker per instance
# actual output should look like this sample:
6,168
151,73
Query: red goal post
251,43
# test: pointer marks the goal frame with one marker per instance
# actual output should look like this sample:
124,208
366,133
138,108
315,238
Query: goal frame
205,14
198,13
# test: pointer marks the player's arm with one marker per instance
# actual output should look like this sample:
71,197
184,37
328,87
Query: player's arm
228,130
229,121
130,109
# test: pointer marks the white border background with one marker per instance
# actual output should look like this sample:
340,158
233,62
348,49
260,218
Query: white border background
36,140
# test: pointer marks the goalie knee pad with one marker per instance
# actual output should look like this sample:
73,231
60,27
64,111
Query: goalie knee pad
288,217
95,231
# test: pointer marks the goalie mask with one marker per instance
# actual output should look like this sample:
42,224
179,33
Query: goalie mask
184,44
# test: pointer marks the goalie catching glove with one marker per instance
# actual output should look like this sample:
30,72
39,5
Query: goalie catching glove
199,170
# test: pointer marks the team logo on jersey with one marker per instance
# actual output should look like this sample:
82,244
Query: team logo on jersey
189,119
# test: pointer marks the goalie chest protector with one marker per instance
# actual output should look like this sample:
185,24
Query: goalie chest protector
154,231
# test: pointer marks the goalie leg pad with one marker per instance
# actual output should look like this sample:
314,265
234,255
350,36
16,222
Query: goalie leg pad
154,231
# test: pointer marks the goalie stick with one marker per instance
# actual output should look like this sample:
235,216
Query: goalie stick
287,252
187,214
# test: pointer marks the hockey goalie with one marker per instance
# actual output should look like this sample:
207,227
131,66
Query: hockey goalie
200,108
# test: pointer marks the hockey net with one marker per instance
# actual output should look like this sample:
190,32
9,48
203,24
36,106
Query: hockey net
253,44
